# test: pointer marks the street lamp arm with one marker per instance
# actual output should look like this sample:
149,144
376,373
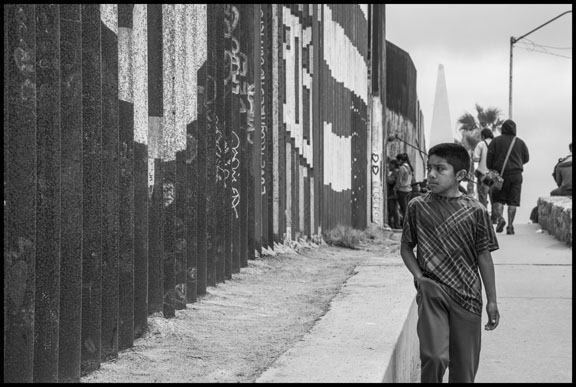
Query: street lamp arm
514,40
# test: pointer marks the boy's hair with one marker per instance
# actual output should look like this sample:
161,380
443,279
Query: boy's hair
486,133
455,155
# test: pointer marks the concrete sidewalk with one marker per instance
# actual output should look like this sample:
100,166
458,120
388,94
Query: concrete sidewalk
369,333
366,335
533,343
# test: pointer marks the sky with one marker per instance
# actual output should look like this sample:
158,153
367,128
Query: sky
472,42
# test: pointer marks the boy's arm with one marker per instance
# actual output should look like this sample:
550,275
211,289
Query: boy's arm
407,254
486,266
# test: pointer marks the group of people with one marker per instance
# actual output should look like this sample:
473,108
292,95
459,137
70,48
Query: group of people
507,155
401,188
490,154
454,236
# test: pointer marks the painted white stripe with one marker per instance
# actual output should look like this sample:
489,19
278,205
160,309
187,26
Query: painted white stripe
301,201
180,49
306,36
289,117
109,16
168,151
196,23
288,193
306,80
312,208
343,58
140,72
125,64
337,160
364,9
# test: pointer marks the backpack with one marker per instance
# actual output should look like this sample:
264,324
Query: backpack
560,161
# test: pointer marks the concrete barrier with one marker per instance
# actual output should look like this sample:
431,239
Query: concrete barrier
555,216
403,364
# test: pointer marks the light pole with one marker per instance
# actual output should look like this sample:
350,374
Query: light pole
514,40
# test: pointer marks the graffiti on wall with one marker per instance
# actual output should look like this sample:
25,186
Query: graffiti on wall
377,162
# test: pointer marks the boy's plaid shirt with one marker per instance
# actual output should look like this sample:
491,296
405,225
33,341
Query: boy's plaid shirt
449,234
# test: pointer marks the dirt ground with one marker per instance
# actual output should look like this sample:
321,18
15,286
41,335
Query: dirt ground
240,327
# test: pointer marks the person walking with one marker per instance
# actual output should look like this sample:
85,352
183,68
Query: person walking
403,185
480,154
563,176
512,188
454,239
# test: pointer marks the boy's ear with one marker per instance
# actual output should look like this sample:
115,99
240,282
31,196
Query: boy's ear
461,174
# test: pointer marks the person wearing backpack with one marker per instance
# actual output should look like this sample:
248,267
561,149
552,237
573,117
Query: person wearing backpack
502,150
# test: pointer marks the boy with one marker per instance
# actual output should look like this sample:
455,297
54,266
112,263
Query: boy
454,236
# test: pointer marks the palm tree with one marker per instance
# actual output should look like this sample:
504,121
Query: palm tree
471,126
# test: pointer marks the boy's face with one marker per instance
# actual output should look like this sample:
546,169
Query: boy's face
442,179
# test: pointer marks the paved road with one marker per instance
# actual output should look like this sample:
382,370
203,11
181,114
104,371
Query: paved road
533,342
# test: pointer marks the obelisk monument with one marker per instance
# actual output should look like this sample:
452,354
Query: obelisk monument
441,127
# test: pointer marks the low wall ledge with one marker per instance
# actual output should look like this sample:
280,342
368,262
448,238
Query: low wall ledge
555,216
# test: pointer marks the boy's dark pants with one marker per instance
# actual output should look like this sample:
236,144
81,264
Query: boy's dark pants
449,336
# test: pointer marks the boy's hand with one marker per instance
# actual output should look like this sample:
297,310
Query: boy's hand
493,316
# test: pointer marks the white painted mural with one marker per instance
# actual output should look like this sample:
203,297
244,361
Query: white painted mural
294,125
125,75
140,72
337,160
376,162
343,58
109,16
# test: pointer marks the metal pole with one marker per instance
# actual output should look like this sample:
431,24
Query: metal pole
512,41
396,137
510,85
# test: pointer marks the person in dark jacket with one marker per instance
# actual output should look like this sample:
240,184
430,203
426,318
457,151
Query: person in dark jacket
510,193
394,219
563,176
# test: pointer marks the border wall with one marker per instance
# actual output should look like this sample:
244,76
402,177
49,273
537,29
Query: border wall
150,151
404,119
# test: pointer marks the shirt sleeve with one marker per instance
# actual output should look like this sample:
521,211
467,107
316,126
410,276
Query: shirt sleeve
401,175
478,152
526,154
409,235
485,235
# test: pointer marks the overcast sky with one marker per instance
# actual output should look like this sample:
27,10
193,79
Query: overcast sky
472,41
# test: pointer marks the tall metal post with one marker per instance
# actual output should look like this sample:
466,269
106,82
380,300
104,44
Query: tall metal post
512,41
